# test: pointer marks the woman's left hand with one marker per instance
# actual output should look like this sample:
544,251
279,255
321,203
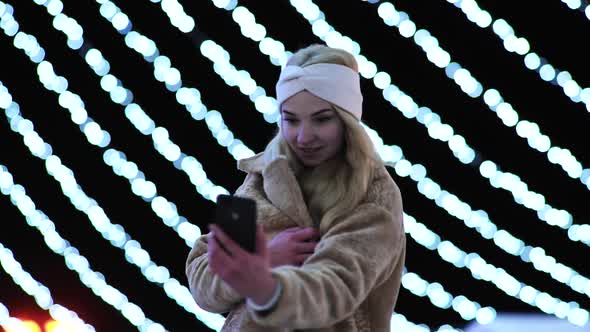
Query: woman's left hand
247,273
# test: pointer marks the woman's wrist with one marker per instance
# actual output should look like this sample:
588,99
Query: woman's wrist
268,298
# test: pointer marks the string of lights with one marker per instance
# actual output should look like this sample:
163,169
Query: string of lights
140,186
8,322
137,116
488,169
577,5
521,46
114,233
171,76
461,76
481,270
467,309
480,221
40,292
73,259
474,219
444,132
116,159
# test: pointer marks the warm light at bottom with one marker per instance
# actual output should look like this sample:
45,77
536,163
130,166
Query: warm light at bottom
50,326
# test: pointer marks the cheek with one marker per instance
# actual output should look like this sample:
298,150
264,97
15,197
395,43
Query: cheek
287,133
335,134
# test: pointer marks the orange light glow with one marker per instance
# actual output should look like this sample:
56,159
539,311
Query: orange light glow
55,326
26,326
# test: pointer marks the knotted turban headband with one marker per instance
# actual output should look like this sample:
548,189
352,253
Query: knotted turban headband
337,84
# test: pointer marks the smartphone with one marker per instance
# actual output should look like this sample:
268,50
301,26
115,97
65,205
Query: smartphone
236,216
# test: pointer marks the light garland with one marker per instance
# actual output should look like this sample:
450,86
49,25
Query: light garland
172,78
114,233
488,169
577,5
38,291
74,261
481,270
521,46
7,321
444,132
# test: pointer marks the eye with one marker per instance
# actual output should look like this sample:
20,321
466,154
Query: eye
290,120
323,119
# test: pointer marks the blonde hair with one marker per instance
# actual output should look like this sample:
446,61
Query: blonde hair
337,186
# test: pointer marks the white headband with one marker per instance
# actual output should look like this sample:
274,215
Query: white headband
334,83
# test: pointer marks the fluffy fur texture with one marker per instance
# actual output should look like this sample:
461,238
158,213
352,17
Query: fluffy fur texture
350,283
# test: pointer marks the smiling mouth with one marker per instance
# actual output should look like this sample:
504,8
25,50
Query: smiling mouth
309,150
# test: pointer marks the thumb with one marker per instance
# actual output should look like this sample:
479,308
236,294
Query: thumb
261,241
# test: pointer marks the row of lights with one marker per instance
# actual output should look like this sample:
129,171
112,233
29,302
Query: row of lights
529,130
116,159
14,324
74,261
34,288
577,5
481,270
166,73
521,46
114,233
161,206
93,133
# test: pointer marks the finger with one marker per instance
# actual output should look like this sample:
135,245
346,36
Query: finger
305,234
306,247
226,242
293,229
219,258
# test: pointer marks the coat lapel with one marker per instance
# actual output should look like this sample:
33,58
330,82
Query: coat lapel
280,186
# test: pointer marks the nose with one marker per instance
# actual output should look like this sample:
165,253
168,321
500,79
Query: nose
305,134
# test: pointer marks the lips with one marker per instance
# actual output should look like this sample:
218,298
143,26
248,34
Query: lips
309,150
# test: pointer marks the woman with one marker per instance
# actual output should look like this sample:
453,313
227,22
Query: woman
319,177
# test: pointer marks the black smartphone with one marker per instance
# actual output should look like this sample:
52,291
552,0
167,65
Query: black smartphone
236,216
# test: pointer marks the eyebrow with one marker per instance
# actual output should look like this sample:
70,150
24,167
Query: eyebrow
313,114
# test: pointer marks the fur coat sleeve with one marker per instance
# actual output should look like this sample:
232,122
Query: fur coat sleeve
209,291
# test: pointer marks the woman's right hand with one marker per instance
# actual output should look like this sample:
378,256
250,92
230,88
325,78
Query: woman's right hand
292,246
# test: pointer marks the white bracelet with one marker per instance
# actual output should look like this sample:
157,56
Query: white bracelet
271,303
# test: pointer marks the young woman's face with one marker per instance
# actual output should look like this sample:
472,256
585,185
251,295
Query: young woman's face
312,128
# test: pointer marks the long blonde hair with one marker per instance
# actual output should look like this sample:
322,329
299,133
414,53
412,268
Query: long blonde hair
337,186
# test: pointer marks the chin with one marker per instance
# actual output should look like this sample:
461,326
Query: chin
310,163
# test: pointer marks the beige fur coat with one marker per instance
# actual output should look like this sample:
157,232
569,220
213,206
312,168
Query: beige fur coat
351,281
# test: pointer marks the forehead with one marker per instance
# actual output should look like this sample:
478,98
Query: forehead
304,103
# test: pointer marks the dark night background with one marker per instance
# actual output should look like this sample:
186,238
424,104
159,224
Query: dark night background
554,31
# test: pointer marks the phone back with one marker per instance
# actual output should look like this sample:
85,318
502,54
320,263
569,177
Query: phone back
237,218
